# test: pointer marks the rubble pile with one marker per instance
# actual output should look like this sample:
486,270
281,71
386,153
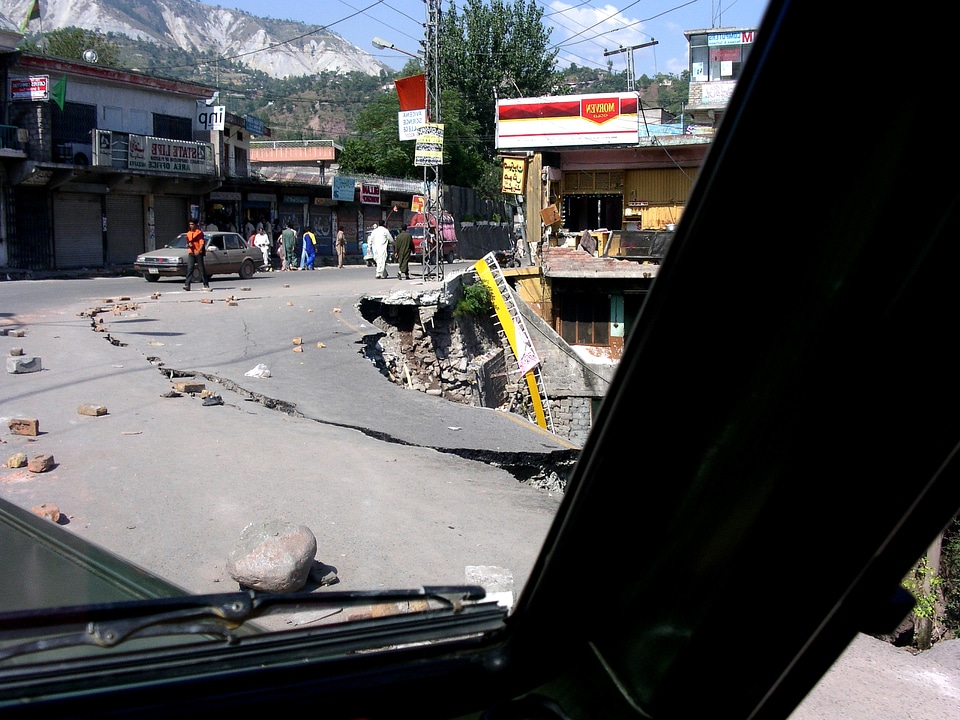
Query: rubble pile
431,352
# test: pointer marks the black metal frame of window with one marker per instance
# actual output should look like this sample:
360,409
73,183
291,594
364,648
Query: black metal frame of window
70,127
172,127
593,211
585,318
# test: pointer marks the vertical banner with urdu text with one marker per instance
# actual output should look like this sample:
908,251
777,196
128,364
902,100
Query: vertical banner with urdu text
514,176
429,148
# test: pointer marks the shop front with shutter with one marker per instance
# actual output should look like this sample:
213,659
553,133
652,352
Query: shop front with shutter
322,224
346,217
125,229
170,215
77,230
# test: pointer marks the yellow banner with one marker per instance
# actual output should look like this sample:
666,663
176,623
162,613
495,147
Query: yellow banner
514,176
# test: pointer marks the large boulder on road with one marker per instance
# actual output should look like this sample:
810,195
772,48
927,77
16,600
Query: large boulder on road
273,556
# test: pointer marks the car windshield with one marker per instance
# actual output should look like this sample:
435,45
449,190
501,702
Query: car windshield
302,450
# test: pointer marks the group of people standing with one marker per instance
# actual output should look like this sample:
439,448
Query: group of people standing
380,239
286,247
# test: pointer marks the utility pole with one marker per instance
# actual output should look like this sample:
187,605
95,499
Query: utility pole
432,257
631,85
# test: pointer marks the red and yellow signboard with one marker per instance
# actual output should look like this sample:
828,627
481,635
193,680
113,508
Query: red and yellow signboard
600,110
568,120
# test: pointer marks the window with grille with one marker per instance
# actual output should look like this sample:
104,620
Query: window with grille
172,128
585,318
74,123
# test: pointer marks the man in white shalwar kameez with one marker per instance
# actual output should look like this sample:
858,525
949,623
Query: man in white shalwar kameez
380,240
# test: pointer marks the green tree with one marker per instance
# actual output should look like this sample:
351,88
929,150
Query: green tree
493,45
376,148
72,42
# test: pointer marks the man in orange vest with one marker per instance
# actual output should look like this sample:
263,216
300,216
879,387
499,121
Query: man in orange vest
196,249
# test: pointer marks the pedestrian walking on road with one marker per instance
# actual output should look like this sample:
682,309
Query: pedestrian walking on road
402,245
196,249
380,241
288,240
309,252
341,247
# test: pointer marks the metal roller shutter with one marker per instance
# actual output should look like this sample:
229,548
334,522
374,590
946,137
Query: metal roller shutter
170,218
124,228
78,235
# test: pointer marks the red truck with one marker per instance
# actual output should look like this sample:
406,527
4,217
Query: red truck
448,234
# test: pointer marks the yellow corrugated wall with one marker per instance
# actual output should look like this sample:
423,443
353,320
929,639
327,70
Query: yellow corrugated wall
661,186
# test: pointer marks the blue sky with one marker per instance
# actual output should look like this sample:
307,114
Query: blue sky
583,30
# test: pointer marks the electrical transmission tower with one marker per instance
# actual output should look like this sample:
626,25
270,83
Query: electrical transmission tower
432,244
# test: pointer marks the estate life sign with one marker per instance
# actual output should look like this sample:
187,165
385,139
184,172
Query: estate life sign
162,155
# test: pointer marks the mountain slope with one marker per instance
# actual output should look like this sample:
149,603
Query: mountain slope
279,48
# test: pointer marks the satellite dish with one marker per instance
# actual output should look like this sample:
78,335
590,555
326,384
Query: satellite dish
90,56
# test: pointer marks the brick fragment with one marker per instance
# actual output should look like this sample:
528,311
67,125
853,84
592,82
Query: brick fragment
47,510
16,351
298,341
92,410
24,426
40,463
298,348
188,386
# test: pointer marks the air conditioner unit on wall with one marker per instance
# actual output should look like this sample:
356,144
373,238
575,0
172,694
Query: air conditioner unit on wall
75,153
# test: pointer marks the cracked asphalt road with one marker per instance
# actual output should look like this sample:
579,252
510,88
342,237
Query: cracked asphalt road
401,489
169,483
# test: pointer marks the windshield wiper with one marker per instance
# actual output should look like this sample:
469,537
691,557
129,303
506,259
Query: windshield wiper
109,624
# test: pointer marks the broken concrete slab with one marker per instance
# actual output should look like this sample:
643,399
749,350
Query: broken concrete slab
17,460
92,410
23,364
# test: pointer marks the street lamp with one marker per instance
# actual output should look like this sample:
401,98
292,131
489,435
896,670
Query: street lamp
382,44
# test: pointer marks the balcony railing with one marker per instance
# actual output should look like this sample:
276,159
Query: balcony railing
8,138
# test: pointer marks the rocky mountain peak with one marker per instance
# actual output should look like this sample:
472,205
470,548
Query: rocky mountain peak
279,48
